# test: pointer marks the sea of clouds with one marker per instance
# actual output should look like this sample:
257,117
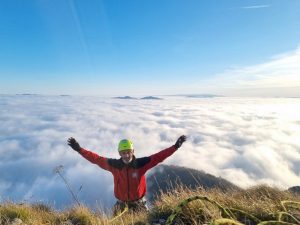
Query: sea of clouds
247,141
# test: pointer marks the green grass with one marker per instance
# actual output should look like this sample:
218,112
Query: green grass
261,205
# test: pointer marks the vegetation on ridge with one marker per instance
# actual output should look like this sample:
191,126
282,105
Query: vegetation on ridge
251,207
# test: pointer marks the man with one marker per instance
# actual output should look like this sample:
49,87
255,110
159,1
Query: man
128,171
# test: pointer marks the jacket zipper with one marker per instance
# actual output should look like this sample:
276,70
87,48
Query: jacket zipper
127,185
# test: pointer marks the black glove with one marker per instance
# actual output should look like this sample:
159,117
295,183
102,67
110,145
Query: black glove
179,141
74,144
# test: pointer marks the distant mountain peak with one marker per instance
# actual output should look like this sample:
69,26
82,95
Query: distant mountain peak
151,98
125,97
144,98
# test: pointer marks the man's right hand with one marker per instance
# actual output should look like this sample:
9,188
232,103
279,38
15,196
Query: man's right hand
74,144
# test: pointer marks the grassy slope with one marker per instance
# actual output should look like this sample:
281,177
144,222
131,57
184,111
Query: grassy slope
261,202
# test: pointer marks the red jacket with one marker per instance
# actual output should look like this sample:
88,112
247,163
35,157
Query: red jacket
129,180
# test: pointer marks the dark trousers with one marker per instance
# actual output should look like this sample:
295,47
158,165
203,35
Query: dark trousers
134,206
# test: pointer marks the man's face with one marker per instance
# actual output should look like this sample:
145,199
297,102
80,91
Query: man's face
127,155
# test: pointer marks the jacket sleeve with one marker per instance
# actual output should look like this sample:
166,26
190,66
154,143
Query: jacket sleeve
95,158
159,157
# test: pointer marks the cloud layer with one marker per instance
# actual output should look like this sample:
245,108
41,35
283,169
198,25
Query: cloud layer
245,140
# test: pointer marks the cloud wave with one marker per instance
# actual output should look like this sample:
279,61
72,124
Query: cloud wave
245,140
277,77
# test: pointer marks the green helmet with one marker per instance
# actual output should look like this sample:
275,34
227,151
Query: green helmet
125,144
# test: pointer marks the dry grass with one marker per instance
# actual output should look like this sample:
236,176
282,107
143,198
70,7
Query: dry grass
260,203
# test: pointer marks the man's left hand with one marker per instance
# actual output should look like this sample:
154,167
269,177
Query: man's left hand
179,141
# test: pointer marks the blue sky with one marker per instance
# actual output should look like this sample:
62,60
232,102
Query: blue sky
115,47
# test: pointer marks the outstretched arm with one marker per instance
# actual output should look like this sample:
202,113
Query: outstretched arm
162,155
90,156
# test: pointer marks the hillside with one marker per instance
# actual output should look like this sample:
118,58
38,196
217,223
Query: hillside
260,205
180,196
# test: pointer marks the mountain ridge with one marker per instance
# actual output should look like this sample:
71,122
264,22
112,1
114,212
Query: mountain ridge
166,178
